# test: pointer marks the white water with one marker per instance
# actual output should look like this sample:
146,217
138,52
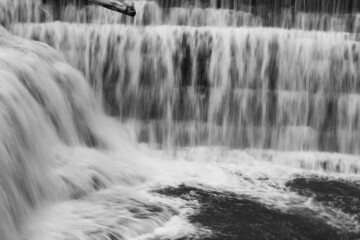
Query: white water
67,171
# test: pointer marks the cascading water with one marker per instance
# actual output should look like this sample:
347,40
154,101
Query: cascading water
199,80
239,87
54,149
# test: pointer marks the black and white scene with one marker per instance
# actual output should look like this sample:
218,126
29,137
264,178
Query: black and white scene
179,119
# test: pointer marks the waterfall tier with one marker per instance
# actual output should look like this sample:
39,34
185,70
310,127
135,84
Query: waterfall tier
194,13
246,87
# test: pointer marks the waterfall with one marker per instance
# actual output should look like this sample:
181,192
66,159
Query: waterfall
206,82
244,91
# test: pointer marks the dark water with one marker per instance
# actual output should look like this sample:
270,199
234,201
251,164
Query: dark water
338,194
231,216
